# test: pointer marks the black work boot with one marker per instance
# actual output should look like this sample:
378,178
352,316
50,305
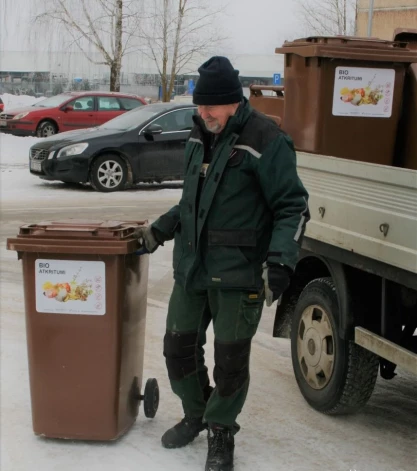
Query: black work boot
183,433
221,446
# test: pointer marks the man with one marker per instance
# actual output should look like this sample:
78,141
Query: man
237,233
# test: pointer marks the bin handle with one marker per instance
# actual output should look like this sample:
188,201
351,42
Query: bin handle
71,229
95,230
125,229
27,227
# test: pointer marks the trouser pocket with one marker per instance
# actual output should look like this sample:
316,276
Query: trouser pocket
250,314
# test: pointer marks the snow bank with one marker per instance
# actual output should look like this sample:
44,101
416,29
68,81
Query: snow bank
14,150
16,101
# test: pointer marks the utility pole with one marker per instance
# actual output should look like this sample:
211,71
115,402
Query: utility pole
370,17
344,18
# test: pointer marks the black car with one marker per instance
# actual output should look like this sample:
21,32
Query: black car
142,145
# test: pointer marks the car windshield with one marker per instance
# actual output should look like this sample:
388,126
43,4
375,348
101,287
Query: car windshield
134,118
53,101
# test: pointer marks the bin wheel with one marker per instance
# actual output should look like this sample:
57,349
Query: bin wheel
151,398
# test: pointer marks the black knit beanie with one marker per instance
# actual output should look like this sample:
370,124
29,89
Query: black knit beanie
218,84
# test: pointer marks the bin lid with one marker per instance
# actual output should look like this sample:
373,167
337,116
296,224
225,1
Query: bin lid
347,41
81,228
347,47
77,236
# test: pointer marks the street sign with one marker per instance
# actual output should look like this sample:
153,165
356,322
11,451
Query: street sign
277,79
190,86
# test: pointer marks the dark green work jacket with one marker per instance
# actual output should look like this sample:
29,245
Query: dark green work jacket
250,207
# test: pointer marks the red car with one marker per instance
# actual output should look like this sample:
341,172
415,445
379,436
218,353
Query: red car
1,105
67,112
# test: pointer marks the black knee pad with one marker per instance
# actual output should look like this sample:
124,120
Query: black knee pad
232,365
180,354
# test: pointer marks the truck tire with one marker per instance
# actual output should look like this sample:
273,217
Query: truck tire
334,375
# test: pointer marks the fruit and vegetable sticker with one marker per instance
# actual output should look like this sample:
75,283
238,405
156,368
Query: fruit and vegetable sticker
363,92
70,287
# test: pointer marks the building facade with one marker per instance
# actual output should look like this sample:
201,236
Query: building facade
24,72
388,16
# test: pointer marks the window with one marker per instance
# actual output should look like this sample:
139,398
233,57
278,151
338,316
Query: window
135,118
108,103
85,103
130,103
178,120
54,101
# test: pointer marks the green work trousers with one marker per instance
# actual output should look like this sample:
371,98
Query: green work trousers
235,315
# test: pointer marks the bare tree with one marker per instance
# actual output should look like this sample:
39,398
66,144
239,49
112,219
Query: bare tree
179,33
108,27
328,17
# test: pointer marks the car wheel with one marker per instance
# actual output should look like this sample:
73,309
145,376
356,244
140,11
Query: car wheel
335,375
108,173
46,129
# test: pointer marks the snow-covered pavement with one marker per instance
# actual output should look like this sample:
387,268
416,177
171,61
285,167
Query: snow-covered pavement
279,430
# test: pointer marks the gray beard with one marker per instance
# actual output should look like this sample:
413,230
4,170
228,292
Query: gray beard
216,129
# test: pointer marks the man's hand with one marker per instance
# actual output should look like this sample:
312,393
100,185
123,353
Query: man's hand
276,279
146,239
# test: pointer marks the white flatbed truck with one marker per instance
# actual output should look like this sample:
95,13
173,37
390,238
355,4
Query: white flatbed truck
351,308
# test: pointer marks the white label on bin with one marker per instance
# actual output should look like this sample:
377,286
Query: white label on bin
70,287
363,93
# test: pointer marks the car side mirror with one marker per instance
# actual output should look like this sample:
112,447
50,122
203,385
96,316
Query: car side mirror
68,108
153,129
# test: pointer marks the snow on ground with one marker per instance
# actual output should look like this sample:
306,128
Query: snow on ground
14,151
14,160
279,430
17,101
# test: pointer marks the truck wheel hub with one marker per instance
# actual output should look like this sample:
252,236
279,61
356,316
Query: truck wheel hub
311,347
315,346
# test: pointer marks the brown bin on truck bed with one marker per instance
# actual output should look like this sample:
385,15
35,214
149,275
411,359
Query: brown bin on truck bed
271,105
343,96
407,134
85,300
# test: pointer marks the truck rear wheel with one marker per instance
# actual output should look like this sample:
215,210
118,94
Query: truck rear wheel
335,375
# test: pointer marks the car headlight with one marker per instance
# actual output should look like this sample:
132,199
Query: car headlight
21,115
74,149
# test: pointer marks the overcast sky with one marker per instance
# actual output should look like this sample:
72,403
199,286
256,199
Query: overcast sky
253,26
259,26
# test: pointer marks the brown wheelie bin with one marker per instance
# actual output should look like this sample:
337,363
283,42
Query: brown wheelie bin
271,105
407,140
343,96
85,300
